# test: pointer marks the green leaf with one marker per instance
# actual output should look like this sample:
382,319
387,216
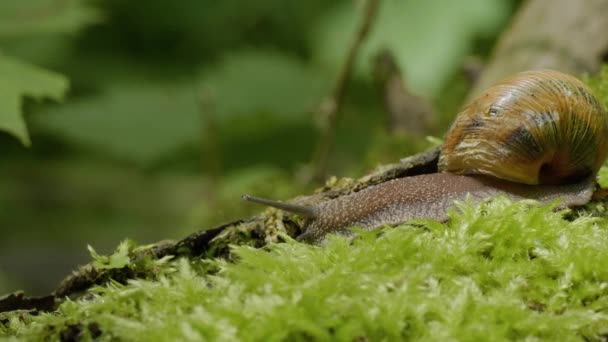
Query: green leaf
27,17
19,79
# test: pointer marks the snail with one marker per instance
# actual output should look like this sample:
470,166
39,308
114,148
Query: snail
538,135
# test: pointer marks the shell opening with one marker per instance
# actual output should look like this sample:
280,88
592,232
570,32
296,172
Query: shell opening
556,170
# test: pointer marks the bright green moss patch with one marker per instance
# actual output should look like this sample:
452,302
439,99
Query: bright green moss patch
497,271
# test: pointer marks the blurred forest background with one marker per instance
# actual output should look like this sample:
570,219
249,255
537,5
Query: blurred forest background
148,120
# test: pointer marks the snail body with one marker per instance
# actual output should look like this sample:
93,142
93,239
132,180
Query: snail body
538,135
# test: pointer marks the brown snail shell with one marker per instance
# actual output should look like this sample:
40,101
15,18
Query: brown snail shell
536,127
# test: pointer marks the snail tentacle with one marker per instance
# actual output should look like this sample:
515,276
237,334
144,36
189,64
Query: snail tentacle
308,212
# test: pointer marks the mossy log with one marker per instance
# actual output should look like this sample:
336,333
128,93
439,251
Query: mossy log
256,231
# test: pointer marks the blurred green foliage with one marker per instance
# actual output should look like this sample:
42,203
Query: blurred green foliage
430,39
176,109
599,85
20,19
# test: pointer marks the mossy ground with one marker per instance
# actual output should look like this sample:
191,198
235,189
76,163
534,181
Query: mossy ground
497,271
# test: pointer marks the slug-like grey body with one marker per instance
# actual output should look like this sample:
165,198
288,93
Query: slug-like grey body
421,197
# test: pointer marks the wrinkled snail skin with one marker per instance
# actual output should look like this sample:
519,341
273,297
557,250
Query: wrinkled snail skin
429,197
421,197
538,135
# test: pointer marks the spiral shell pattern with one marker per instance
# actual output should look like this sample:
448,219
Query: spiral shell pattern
536,127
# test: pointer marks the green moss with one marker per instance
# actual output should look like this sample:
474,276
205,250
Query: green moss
119,259
497,271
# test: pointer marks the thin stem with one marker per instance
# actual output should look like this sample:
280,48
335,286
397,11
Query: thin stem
331,107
